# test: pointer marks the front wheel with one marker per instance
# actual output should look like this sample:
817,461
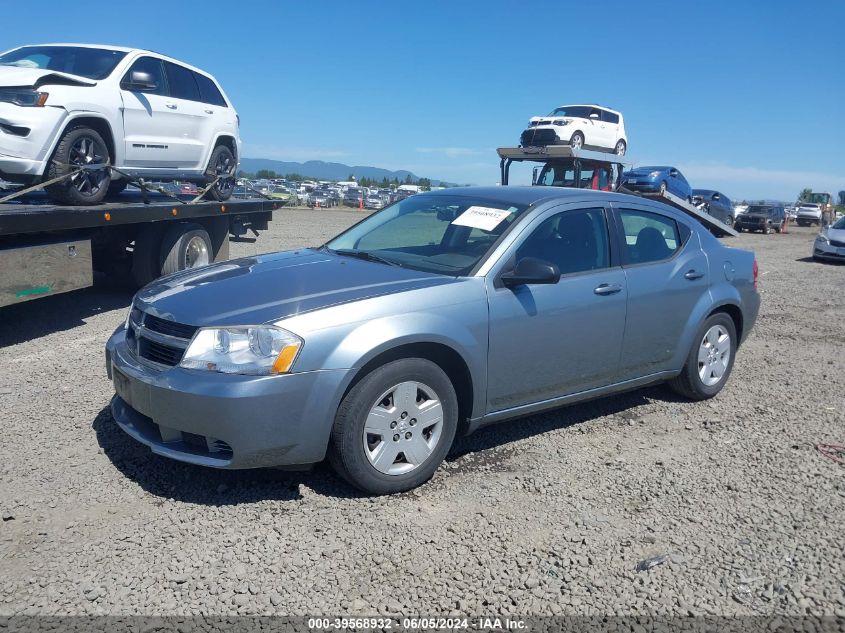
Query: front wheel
394,428
221,165
80,147
710,360
576,140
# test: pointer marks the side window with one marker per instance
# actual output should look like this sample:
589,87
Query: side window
209,93
649,237
609,117
557,176
182,83
151,66
575,241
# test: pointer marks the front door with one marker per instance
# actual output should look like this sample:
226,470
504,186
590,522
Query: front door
550,340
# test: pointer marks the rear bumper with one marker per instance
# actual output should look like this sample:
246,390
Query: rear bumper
223,421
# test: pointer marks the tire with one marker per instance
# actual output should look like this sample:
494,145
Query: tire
767,230
221,162
79,145
185,246
116,187
689,383
662,187
354,454
620,148
576,140
777,229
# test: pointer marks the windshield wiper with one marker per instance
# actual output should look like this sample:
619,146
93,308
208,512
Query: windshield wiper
367,255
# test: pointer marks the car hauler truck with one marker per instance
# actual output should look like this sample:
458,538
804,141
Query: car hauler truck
565,166
47,249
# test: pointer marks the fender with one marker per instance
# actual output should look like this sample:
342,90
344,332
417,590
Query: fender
716,297
372,338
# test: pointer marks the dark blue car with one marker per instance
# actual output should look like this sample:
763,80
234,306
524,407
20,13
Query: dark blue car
657,180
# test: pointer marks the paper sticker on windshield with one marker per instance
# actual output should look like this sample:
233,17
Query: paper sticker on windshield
484,218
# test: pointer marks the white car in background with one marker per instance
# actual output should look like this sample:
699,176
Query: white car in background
587,126
830,243
808,213
65,106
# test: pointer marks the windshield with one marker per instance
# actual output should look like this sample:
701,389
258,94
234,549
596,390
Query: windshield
93,63
840,223
820,198
573,111
433,233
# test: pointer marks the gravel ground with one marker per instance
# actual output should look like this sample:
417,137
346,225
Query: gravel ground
546,515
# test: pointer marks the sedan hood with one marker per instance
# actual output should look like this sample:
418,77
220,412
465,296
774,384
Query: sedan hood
271,287
36,77
837,235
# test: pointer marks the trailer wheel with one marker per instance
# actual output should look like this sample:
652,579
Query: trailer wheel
222,163
185,246
79,146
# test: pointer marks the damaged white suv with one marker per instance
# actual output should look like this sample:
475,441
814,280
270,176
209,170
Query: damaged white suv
63,106
587,126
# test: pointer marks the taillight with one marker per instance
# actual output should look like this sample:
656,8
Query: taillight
756,270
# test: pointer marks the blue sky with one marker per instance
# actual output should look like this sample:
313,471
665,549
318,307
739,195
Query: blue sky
746,97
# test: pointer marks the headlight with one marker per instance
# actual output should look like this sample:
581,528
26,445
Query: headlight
562,123
24,97
654,174
821,238
259,350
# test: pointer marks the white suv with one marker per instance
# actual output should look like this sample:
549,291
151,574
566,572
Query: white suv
588,126
808,213
147,115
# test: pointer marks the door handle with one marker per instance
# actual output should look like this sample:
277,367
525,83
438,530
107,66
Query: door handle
607,289
693,275
172,106
207,111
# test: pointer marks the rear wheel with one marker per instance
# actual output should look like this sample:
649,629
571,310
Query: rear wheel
767,230
710,360
620,148
576,140
394,428
221,165
185,246
79,147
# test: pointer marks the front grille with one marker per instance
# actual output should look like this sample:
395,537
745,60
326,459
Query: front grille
837,243
159,341
171,328
533,137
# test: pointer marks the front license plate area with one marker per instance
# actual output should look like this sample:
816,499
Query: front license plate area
122,386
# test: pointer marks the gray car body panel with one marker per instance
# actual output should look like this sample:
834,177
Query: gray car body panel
349,311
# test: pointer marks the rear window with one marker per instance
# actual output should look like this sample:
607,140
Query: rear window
209,92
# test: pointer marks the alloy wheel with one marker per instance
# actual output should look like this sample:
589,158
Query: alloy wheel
85,152
403,428
196,253
223,168
714,355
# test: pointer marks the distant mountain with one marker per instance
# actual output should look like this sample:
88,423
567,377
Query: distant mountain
321,170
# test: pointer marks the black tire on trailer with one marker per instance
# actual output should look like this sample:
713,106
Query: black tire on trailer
620,148
576,140
79,145
185,246
222,163
116,187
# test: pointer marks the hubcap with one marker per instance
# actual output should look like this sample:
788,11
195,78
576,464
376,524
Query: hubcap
714,355
403,428
223,168
577,142
85,152
620,149
196,253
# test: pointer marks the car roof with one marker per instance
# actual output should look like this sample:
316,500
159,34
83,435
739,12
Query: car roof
531,194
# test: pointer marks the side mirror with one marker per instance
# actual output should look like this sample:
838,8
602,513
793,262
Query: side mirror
716,196
594,116
139,81
530,270
673,173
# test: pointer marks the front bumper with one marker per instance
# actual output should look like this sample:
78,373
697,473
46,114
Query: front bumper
27,136
221,420
824,250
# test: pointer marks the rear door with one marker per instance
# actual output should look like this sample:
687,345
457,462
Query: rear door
666,274
549,340
195,118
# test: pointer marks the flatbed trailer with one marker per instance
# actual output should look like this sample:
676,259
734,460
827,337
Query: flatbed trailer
47,249
615,164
